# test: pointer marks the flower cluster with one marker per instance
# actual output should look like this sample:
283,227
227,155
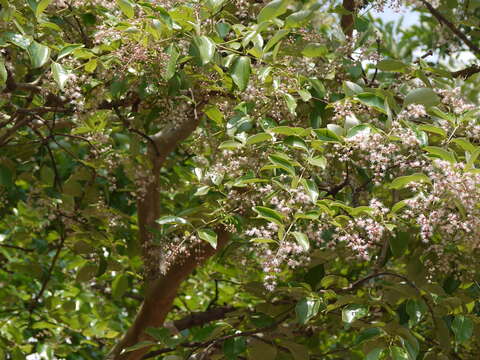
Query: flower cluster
365,233
446,211
453,99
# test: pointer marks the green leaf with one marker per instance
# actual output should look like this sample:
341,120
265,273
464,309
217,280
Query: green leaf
39,54
424,96
415,310
319,161
296,142
352,312
269,214
86,272
214,5
6,176
60,75
203,48
261,350
375,354
298,351
234,346
41,6
140,345
306,309
403,181
214,114
283,164
298,19
291,103
441,153
302,240
358,129
230,145
315,50
327,135
372,100
399,243
462,327
262,240
289,130
68,49
391,65
433,129
17,39
127,8
397,353
171,220
334,280
3,72
202,190
311,188
318,88
465,144
305,95
367,334
337,129
171,67
240,72
91,65
473,157
257,138
47,175
280,34
272,10
351,88
119,286
209,236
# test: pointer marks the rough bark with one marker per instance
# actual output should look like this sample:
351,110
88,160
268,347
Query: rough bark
159,298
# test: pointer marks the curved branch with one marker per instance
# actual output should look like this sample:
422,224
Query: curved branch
443,20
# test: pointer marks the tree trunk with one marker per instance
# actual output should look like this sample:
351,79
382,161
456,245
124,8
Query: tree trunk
159,298
161,289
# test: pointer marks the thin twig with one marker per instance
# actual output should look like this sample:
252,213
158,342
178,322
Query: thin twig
16,247
138,132
360,282
215,297
37,298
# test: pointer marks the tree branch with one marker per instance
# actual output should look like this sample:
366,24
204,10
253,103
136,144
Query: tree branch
132,129
16,247
360,282
197,345
443,20
202,318
467,72
37,298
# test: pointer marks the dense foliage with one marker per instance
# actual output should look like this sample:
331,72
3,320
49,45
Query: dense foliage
272,179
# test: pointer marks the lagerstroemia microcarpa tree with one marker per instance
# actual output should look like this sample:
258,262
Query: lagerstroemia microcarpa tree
238,179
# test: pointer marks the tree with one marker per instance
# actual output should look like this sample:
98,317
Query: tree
238,179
